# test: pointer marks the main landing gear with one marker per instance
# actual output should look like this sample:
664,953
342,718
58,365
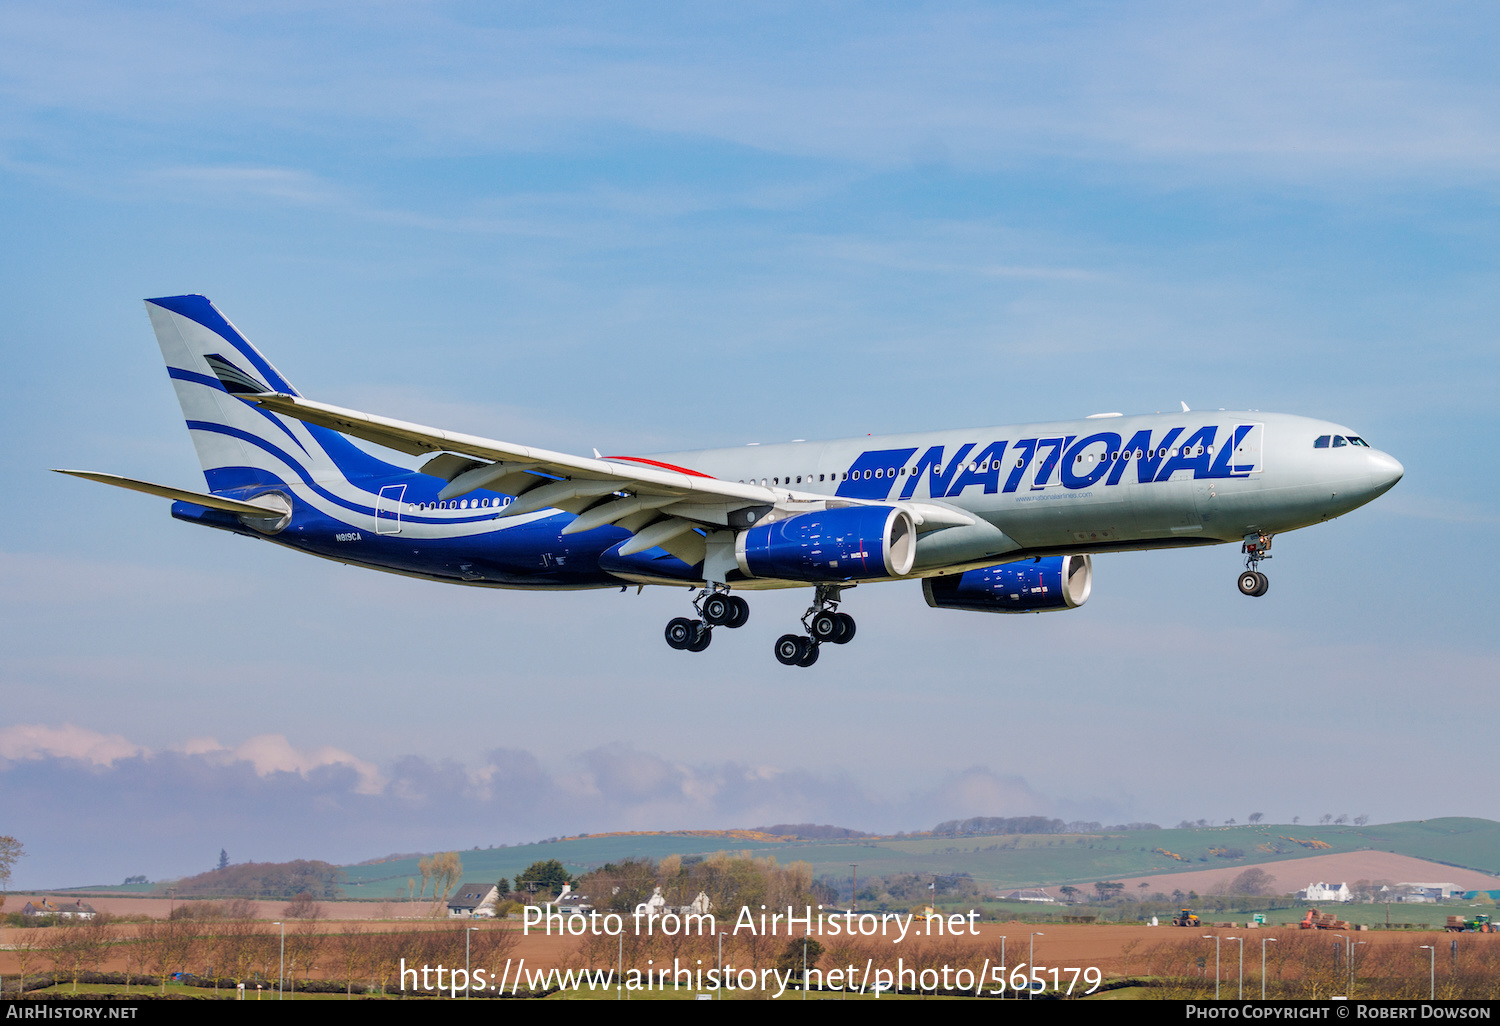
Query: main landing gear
715,609
823,623
1252,582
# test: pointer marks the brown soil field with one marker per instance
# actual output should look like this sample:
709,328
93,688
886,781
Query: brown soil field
1117,950
160,908
1346,867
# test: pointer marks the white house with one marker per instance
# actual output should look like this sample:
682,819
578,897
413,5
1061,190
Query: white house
1325,892
474,901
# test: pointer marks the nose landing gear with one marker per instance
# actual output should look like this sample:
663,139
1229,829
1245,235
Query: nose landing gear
1256,548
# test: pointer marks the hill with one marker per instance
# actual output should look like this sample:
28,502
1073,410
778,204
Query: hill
994,861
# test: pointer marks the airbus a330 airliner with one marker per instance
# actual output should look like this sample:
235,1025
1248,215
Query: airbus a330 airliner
1001,519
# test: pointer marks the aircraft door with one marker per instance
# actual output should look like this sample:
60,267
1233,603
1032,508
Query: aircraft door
1249,449
388,509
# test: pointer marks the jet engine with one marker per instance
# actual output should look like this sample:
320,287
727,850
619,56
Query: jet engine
1030,586
847,543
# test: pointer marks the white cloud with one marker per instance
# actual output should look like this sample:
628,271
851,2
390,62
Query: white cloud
36,741
266,753
273,753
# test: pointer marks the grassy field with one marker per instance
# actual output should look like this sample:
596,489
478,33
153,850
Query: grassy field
1014,860
1024,860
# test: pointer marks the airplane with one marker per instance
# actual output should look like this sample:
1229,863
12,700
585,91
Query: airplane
1000,519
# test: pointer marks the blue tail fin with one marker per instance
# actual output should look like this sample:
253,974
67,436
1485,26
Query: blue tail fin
239,444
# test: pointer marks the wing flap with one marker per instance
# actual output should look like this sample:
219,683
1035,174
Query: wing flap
416,438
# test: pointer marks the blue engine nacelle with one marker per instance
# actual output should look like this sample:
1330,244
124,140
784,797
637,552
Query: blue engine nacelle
848,543
1031,586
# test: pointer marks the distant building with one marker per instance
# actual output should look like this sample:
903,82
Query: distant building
1029,894
62,910
473,900
570,901
1325,892
1420,892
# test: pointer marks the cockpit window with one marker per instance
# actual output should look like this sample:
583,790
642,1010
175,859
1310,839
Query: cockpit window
1338,442
1356,440
1321,443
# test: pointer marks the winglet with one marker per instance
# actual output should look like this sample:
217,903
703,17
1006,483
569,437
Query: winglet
1185,407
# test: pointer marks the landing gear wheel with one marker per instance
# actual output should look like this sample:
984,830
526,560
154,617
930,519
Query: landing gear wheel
846,629
680,632
740,613
788,649
809,652
718,610
1265,585
826,627
1250,583
704,634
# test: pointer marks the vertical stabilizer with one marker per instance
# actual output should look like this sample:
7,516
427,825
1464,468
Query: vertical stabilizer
240,445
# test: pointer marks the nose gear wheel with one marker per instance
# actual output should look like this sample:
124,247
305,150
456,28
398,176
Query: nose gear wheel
1252,582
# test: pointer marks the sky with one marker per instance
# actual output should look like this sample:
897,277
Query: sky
656,227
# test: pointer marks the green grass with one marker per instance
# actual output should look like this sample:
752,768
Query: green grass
1026,860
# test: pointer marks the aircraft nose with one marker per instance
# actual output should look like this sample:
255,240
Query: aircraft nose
1385,471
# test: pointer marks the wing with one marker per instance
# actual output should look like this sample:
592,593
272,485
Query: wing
659,507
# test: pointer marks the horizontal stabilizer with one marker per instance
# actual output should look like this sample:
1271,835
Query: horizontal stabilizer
253,508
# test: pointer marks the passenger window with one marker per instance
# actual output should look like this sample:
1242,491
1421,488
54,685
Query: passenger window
1321,443
1338,442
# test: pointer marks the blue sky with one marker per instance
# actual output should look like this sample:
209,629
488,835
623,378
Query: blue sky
656,227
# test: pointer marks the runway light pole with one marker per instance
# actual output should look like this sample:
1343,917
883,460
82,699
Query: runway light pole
1431,972
1242,965
1030,992
281,974
1263,942
468,987
1215,938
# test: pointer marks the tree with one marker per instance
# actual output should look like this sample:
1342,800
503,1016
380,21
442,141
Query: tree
549,876
1256,817
1252,881
1361,820
791,957
1326,818
223,859
303,906
11,850
447,871
1068,891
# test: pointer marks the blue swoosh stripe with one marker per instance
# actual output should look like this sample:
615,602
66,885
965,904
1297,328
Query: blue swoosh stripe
256,440
212,382
200,310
